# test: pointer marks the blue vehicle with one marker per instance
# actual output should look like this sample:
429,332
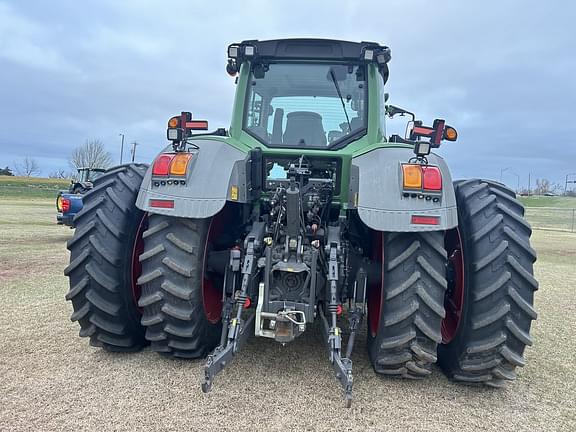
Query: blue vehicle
69,202
68,205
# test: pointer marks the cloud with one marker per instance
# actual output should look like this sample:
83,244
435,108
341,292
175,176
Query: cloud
500,72
24,42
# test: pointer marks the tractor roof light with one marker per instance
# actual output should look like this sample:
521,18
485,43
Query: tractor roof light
233,51
383,56
249,50
368,55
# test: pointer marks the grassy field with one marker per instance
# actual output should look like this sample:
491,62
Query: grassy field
30,187
547,201
52,380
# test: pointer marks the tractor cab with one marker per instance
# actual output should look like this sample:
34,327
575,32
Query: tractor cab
306,93
85,179
89,174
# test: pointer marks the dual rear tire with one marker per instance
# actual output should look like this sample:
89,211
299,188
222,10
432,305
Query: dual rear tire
138,280
462,298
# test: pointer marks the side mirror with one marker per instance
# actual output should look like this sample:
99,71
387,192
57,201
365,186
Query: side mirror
392,111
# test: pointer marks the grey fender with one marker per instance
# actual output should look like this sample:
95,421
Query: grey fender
215,166
381,203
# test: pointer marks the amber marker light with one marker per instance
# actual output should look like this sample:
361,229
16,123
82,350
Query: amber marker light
179,164
174,122
450,134
412,176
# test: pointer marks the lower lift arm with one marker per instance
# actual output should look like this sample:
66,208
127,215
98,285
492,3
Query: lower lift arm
333,335
235,330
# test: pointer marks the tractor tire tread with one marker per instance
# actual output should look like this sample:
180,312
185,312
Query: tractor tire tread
495,326
97,269
412,309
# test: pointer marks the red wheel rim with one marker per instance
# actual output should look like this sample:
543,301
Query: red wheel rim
454,298
136,265
376,286
211,288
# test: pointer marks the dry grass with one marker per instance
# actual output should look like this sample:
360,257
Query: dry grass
52,380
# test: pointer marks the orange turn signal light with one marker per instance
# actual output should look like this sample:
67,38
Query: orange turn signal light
450,134
412,176
179,164
174,122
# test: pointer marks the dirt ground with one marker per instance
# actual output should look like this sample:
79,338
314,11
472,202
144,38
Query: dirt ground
50,379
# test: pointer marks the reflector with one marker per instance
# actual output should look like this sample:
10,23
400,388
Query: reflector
425,220
158,203
197,125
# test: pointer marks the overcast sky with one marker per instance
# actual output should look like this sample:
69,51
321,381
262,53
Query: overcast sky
502,72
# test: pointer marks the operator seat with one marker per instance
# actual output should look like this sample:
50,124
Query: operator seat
304,128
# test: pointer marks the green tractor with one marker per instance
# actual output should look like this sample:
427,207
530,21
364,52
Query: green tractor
305,210
85,180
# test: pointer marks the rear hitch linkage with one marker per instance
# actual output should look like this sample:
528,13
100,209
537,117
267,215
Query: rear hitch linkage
235,331
333,335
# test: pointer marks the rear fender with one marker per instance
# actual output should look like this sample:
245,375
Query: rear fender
214,168
380,199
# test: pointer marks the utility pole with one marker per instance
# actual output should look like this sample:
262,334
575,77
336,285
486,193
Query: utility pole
134,144
502,171
518,181
568,181
529,185
121,147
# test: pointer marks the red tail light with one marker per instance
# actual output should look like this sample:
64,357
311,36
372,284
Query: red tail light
431,178
161,165
65,204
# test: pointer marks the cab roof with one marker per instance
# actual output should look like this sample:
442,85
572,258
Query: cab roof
309,49
321,49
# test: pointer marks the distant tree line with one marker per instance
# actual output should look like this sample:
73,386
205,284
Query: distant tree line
91,154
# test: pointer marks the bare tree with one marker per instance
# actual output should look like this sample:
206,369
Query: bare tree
28,168
58,174
542,186
91,155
